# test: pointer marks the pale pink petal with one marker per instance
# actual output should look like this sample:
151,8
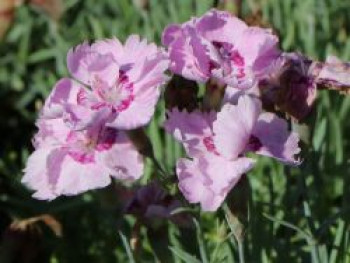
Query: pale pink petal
193,129
232,94
147,79
191,183
79,117
220,26
276,140
65,91
234,125
111,47
52,132
208,179
123,161
150,70
71,101
224,173
51,172
35,174
189,56
140,111
136,50
73,177
221,46
88,65
259,47
251,57
131,94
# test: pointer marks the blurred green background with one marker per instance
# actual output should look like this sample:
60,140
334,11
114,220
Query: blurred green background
295,214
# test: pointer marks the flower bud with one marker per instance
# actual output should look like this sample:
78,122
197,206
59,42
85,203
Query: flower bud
141,142
181,93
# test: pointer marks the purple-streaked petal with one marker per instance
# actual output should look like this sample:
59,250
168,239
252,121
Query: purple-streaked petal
208,179
52,132
234,125
219,45
123,161
136,50
232,94
334,73
276,140
72,102
111,47
220,26
73,177
193,129
79,117
171,33
224,174
134,96
140,111
189,56
65,91
251,57
259,47
88,65
192,185
51,172
147,79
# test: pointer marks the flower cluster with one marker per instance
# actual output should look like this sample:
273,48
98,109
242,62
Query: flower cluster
218,143
82,138
86,122
222,47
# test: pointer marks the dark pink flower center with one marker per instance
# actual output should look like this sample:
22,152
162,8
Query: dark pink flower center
237,59
81,97
82,147
233,62
241,73
209,144
106,139
254,144
224,49
117,97
82,157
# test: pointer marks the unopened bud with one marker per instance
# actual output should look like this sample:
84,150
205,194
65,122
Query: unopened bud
214,93
141,142
181,93
292,90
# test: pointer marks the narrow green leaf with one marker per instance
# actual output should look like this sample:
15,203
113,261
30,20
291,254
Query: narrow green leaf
186,257
200,240
127,247
337,241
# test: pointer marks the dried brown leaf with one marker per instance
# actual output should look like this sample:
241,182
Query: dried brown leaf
54,8
31,224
